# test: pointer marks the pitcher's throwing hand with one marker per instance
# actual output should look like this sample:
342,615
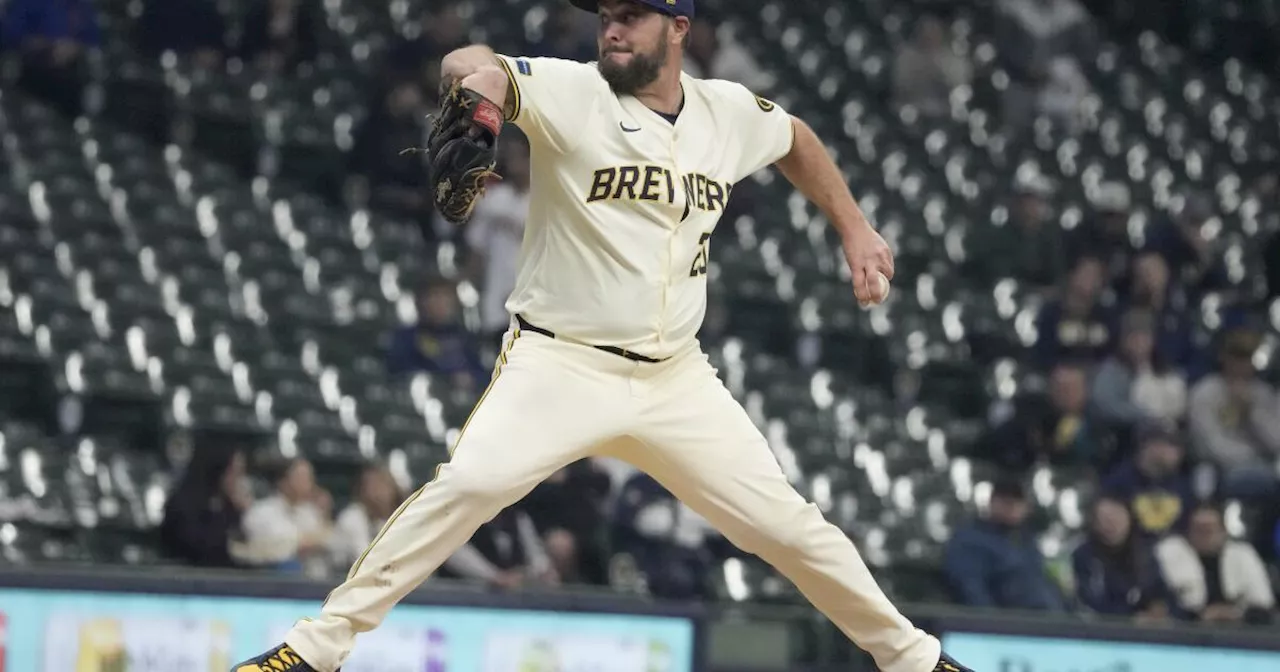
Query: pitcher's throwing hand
871,263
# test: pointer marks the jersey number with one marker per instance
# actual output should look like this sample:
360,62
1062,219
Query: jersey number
703,256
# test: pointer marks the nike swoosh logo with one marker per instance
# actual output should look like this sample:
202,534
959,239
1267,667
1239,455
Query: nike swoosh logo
627,130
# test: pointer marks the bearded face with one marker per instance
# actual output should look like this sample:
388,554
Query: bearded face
636,63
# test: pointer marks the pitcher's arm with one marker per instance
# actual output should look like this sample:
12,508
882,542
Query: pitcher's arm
477,67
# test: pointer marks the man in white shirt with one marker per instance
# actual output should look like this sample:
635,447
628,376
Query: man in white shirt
494,234
1215,577
633,162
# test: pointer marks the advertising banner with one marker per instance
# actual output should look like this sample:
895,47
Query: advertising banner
106,644
65,631
1006,653
508,651
391,648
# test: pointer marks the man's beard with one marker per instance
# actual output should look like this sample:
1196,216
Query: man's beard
641,71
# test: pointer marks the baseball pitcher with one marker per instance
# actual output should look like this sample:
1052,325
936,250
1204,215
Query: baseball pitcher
633,162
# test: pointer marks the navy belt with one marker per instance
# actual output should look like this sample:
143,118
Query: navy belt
613,350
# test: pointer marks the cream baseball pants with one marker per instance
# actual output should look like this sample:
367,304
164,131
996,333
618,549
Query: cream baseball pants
553,402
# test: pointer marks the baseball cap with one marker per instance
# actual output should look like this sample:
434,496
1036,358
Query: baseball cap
668,7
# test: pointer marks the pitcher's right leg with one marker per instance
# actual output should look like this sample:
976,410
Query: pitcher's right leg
544,409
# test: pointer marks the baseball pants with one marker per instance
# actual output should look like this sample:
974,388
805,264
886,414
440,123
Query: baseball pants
552,402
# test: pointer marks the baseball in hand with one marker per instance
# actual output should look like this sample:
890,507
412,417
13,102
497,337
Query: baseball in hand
882,291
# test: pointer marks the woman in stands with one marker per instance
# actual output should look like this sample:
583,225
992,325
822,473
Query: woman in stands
205,506
1115,569
376,498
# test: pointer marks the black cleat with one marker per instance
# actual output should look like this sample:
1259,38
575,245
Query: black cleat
280,659
948,664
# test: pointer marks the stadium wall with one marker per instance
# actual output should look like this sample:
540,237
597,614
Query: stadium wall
89,620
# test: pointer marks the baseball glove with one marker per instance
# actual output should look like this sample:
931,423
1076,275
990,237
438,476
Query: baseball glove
462,149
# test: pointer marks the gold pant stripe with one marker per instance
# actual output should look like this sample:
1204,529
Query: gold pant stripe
399,510
497,370
502,360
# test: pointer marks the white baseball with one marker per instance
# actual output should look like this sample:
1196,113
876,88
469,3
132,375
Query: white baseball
884,287
884,291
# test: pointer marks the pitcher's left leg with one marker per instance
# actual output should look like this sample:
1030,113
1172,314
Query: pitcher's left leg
702,446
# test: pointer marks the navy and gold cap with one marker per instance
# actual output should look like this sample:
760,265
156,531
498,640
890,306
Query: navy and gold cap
668,7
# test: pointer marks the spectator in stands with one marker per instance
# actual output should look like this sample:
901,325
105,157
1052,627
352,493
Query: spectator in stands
926,69
1077,325
438,343
52,38
495,234
185,27
1115,569
506,553
1034,32
280,35
1135,384
1106,234
1153,483
396,180
1150,289
1235,419
568,509
1028,247
994,561
203,511
290,530
1062,95
714,54
665,538
1057,428
1037,37
1180,239
376,498
441,29
568,33
1213,577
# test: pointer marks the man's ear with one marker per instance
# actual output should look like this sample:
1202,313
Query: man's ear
682,29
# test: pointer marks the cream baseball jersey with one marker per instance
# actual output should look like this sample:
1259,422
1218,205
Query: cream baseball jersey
623,200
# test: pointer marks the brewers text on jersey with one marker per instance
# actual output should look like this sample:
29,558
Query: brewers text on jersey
655,183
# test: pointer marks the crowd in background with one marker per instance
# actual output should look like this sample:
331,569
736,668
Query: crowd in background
1170,425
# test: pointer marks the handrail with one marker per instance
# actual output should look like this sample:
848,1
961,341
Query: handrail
244,583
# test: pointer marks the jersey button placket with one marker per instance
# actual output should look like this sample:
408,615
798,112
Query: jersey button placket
672,239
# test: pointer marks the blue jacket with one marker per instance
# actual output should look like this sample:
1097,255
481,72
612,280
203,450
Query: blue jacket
1066,337
446,350
1111,588
1158,506
988,566
51,20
